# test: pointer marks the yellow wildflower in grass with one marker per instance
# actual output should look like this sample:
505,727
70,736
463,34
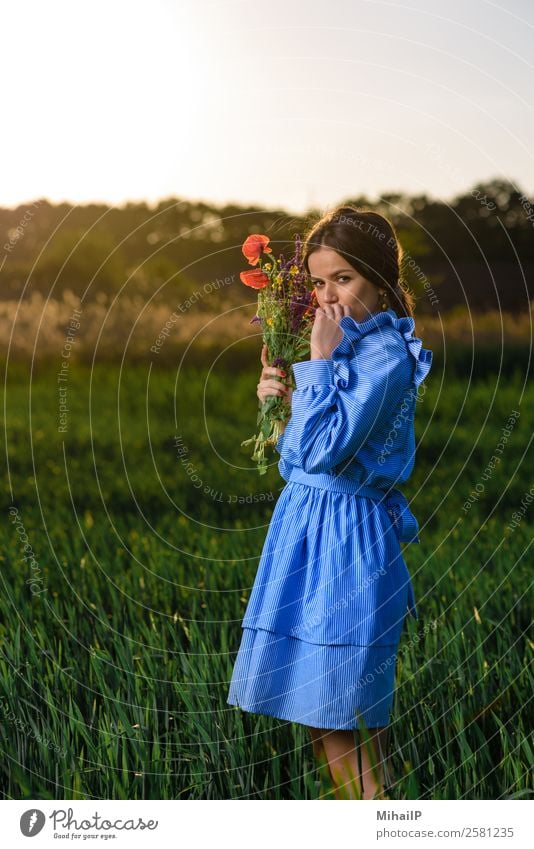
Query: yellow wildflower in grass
269,322
293,270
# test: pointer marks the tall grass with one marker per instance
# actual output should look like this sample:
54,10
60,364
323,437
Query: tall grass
122,660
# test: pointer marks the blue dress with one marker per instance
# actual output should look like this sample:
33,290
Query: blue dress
325,615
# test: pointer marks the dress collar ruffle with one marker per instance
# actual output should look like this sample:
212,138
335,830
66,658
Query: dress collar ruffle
354,330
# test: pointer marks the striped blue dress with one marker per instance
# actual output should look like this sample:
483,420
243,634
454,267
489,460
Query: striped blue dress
321,629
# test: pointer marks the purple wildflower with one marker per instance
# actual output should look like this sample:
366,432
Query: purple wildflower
297,307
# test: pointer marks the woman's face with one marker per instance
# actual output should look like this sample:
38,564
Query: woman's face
337,282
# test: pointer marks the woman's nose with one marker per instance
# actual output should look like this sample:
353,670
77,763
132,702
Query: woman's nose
330,297
329,293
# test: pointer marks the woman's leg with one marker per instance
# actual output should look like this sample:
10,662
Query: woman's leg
374,757
356,764
343,759
316,735
356,770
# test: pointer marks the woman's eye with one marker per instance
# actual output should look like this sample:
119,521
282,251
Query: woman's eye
339,279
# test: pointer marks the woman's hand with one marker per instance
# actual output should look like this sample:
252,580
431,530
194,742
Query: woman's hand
326,334
268,384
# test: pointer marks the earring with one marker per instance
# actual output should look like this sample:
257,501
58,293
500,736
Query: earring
383,304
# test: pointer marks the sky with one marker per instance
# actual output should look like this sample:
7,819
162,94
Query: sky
287,104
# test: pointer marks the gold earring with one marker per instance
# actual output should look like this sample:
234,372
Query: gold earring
383,303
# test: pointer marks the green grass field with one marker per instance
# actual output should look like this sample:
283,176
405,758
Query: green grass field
145,520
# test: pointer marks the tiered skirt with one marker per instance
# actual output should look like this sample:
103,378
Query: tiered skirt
320,633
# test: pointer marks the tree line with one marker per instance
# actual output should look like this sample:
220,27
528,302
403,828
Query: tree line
475,251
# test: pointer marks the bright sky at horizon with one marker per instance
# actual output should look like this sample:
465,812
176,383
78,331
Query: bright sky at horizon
285,104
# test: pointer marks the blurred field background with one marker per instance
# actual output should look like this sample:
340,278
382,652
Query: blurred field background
469,260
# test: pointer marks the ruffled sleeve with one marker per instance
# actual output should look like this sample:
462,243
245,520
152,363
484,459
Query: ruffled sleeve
338,403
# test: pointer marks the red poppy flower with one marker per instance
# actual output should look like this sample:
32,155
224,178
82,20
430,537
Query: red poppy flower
254,246
256,279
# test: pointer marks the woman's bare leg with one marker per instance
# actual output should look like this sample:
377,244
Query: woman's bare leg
357,762
342,753
356,769
374,756
316,735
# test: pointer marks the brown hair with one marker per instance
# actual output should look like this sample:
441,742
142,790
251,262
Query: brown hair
368,242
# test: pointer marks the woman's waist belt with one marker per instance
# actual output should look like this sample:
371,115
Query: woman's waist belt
405,524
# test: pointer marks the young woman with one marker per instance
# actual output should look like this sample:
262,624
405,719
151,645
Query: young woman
324,619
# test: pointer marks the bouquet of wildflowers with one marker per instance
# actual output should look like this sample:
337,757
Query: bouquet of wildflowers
286,307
